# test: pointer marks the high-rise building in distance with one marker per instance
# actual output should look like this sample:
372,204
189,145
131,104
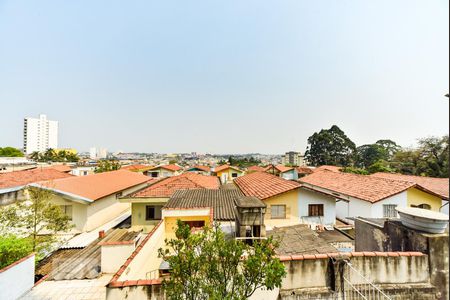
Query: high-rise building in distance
39,134
294,159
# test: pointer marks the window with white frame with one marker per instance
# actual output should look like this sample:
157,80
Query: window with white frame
278,211
389,211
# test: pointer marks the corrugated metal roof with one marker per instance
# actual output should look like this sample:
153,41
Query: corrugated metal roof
222,201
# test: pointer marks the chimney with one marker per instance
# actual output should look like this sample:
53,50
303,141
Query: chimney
101,234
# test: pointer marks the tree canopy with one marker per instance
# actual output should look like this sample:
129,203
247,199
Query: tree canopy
330,147
54,156
10,152
208,265
107,165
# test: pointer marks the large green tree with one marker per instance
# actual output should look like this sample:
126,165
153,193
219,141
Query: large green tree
37,219
208,265
51,155
107,165
376,155
10,152
330,147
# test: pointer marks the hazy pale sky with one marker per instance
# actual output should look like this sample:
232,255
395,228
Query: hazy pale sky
224,76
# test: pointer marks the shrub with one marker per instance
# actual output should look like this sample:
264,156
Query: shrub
12,249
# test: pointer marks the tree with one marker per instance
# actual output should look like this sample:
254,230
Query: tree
434,152
36,218
107,165
13,248
51,155
390,148
367,155
207,265
330,147
10,152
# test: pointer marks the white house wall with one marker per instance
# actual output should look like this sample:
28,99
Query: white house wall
329,205
399,199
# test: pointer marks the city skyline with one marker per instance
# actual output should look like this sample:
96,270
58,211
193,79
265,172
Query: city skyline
242,78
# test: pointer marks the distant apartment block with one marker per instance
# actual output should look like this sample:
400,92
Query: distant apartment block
98,153
39,134
294,159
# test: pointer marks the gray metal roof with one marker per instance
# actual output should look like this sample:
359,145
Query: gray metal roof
223,202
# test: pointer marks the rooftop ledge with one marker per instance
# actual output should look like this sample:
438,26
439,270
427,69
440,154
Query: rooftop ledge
346,255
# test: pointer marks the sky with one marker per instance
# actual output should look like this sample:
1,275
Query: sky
224,76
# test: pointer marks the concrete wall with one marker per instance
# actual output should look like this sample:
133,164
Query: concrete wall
137,292
113,256
401,277
290,199
307,197
79,211
138,213
417,197
290,175
17,278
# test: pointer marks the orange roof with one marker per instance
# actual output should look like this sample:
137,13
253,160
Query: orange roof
166,187
224,167
282,168
201,168
172,168
363,187
61,168
329,168
97,186
439,186
304,170
264,185
137,167
255,169
21,178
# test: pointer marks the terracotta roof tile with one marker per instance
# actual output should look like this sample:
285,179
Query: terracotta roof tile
264,185
173,168
20,178
363,187
329,168
304,170
61,168
99,185
166,187
137,167
282,168
439,186
224,167
255,169
201,168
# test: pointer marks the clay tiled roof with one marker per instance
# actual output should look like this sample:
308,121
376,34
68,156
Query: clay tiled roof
439,186
263,185
172,168
21,178
61,168
304,170
138,167
282,168
201,168
363,187
329,168
255,169
224,167
99,185
168,186
221,201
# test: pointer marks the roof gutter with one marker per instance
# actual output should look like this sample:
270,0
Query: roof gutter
67,195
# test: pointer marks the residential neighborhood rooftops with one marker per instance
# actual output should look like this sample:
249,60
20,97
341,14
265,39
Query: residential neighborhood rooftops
21,178
304,170
61,168
225,167
201,168
97,186
137,167
221,201
166,187
263,185
255,169
283,168
438,186
329,168
170,167
363,187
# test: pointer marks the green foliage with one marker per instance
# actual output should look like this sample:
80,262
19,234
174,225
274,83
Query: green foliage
107,165
355,170
10,152
382,150
36,218
380,166
54,156
207,265
330,147
13,248
244,162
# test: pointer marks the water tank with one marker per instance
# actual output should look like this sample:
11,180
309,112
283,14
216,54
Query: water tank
423,219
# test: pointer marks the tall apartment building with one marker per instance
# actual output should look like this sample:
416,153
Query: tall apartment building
39,134
98,153
294,159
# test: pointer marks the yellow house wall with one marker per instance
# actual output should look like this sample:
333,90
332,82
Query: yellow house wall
290,199
417,197
171,223
79,211
229,172
138,213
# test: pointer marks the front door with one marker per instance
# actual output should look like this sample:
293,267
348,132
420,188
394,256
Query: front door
224,177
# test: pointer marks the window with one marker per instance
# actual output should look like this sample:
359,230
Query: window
154,174
153,212
234,175
278,211
67,210
389,211
195,224
423,206
315,210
